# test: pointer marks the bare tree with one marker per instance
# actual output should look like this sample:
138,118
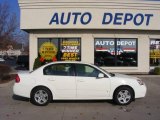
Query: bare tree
9,27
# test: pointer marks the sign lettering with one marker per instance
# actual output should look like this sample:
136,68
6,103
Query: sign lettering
108,18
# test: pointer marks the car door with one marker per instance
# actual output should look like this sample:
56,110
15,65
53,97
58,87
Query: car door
61,78
89,86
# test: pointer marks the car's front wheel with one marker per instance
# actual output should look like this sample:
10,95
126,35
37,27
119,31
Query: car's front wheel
123,96
41,96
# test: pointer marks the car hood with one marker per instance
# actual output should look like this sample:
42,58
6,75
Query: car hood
124,76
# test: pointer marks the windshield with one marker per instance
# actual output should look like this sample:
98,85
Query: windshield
112,74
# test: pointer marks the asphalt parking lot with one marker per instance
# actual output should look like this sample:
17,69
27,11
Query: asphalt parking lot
148,108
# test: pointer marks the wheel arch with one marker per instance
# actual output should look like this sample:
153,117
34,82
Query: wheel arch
124,86
41,86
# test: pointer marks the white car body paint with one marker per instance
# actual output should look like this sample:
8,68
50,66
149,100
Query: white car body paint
75,87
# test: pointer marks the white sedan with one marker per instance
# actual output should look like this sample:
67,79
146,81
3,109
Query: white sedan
78,81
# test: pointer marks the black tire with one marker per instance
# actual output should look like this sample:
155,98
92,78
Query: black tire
41,96
123,96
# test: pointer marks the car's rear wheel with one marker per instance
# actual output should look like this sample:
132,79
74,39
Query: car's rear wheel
123,96
41,96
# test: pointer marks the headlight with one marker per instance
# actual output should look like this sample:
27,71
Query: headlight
140,81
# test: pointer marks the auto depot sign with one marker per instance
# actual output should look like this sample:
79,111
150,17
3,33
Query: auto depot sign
107,19
90,19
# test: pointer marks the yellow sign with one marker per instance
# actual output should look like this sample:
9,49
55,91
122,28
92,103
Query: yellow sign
155,53
70,50
48,51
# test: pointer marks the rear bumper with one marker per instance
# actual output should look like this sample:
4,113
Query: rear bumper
21,90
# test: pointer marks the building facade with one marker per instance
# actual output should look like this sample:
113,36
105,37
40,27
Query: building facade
118,36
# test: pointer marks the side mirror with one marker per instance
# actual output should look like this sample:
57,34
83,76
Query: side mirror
100,75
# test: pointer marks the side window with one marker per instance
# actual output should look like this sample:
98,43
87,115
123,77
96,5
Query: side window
59,70
86,71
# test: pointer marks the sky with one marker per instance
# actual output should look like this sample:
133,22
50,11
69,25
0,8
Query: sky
14,8
13,4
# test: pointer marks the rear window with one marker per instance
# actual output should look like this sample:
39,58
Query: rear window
59,70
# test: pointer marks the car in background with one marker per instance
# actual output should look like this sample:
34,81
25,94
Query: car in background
23,62
79,81
2,60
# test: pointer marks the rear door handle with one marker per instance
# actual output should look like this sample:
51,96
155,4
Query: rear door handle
51,79
81,81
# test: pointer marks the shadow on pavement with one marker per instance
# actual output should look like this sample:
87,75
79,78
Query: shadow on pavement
19,98
83,101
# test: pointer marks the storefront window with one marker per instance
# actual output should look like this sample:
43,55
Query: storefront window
154,52
59,49
115,52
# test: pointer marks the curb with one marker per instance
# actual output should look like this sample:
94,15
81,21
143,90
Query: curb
149,76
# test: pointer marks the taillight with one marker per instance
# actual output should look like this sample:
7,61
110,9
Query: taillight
17,79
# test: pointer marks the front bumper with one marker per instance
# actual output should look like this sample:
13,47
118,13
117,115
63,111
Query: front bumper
140,91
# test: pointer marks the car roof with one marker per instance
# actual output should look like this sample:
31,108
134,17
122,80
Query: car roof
57,62
77,62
